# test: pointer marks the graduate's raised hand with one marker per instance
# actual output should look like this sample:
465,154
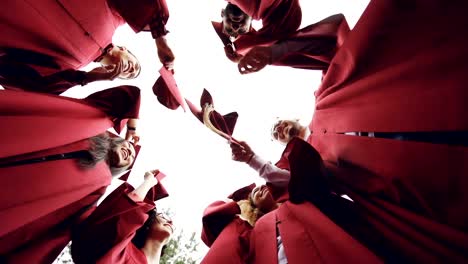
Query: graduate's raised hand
255,60
104,73
241,152
132,134
165,54
149,182
150,177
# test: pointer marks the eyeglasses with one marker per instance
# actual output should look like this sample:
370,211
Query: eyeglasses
164,216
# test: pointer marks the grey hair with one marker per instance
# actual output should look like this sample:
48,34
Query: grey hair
276,123
99,150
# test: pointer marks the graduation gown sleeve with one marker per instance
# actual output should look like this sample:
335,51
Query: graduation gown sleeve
119,103
105,236
28,79
143,14
312,47
16,72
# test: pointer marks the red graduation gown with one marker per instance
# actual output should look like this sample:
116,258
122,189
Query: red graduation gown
225,232
308,234
73,32
280,18
402,69
41,202
106,235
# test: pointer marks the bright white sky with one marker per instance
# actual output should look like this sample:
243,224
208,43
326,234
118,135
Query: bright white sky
198,162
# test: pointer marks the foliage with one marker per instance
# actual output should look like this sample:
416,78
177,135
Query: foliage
179,250
65,256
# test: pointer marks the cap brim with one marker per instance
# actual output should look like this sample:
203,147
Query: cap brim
242,193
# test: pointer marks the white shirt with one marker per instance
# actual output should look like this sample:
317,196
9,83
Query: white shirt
278,177
269,172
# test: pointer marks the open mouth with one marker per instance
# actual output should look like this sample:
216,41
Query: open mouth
126,153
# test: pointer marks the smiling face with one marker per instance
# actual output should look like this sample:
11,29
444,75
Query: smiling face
262,199
235,21
122,154
130,65
161,229
284,130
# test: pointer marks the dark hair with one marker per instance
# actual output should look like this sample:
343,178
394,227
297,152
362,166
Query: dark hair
234,10
142,233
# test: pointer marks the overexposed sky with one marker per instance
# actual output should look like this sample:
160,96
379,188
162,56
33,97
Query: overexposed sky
198,162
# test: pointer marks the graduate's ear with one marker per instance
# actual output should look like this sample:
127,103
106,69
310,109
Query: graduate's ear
223,12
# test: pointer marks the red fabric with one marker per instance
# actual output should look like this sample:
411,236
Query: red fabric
52,28
15,73
106,235
44,239
280,18
417,205
35,223
402,69
139,14
308,234
121,103
322,40
308,237
73,32
225,233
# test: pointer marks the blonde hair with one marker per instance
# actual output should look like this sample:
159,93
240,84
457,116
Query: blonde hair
249,212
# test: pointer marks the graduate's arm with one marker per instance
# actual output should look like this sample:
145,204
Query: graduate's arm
139,194
132,132
108,231
119,103
24,77
269,172
158,31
